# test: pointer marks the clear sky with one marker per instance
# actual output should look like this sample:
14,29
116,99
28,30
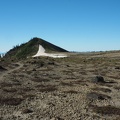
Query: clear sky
76,25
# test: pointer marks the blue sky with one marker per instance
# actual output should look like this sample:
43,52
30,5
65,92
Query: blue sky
76,25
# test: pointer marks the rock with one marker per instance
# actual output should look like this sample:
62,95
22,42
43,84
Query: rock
98,79
34,69
2,68
51,63
42,64
117,67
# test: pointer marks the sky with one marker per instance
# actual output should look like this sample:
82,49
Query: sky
75,25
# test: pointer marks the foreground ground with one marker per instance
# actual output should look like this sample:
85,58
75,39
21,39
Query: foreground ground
61,89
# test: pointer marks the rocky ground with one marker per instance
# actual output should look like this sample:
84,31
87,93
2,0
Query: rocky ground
80,87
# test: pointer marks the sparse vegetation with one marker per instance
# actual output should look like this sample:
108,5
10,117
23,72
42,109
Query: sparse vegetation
82,86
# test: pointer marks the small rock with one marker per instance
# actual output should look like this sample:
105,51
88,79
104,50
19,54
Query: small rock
117,67
98,79
2,68
34,69
51,63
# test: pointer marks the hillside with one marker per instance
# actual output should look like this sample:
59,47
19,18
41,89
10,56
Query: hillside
31,47
78,87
